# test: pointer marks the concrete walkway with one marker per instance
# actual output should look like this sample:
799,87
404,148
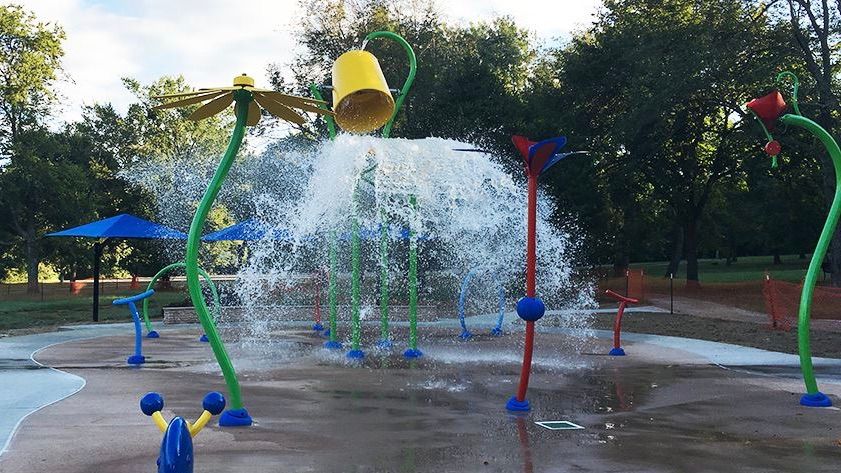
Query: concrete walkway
27,386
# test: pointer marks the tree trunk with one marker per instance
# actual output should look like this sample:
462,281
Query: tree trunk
777,258
677,251
31,263
690,242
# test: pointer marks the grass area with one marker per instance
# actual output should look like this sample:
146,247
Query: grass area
746,268
29,313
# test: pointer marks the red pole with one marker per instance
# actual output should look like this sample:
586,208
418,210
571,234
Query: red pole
617,325
531,237
531,268
617,322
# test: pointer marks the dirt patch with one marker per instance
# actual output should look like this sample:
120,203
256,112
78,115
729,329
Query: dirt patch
745,333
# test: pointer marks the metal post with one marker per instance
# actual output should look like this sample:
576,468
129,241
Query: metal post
97,255
671,293
627,281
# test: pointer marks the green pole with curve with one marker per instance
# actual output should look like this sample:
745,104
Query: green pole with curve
804,312
769,107
242,98
168,268
249,104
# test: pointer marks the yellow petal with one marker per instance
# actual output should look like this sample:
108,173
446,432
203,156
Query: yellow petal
279,110
185,94
253,114
213,107
188,101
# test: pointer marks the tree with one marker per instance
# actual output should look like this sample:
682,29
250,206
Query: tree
815,28
44,187
30,55
30,63
150,160
658,84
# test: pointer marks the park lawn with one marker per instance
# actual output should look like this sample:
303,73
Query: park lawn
746,268
23,313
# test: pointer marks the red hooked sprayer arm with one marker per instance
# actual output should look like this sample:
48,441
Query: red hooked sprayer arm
617,322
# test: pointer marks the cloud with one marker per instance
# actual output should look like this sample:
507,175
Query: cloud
210,41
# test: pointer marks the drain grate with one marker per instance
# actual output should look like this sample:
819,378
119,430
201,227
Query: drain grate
559,425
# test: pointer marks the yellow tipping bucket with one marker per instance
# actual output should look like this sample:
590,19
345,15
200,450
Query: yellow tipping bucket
361,99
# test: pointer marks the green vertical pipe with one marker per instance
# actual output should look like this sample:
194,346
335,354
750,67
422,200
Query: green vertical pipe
413,279
384,278
217,305
331,124
242,98
804,313
356,327
331,287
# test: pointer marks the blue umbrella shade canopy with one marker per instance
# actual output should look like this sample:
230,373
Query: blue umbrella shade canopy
249,230
121,226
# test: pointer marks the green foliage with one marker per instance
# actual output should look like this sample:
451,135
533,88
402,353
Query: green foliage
30,55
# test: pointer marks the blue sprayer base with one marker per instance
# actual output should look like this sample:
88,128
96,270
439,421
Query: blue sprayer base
518,406
617,352
333,345
496,331
235,418
356,354
204,338
412,353
817,399
136,360
465,334
153,334
384,344
317,327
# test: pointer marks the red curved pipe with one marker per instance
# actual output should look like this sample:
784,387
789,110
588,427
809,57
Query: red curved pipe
617,322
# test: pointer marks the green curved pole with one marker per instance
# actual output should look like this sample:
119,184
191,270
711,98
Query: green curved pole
413,67
803,322
242,98
217,305
331,285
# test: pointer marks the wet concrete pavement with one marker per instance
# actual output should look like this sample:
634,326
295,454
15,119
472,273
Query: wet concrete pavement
658,409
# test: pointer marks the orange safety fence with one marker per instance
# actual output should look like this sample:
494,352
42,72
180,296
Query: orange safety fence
782,301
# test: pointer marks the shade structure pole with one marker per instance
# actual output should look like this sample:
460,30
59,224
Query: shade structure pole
97,257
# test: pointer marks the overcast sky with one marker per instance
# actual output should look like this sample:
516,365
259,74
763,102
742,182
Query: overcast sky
210,41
